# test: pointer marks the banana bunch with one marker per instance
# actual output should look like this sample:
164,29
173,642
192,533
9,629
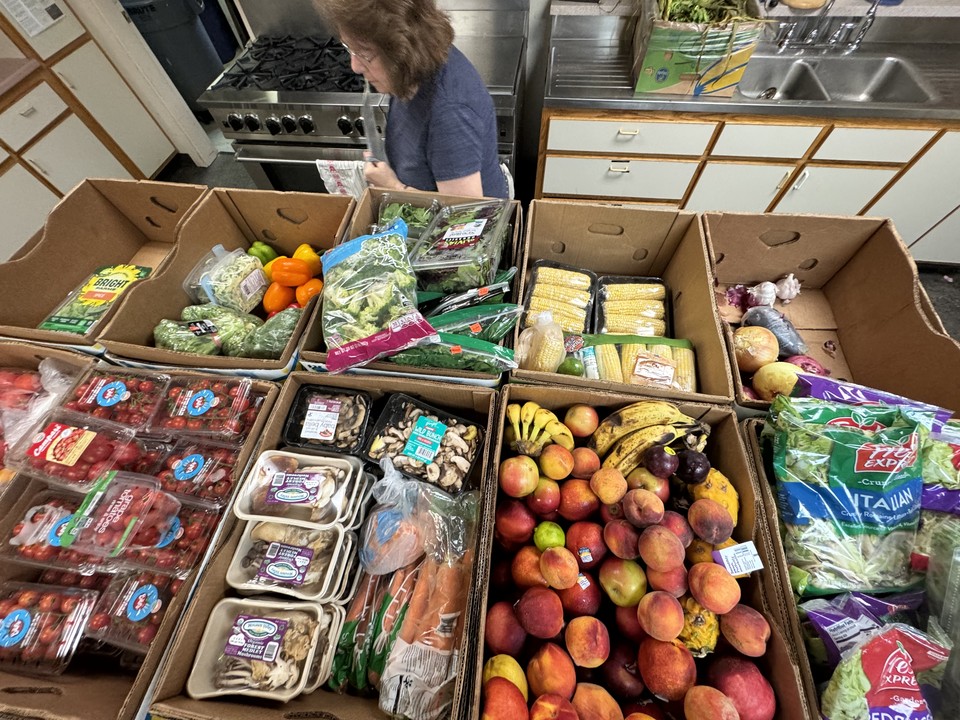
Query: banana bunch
530,428
622,438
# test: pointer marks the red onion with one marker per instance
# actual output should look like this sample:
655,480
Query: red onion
808,364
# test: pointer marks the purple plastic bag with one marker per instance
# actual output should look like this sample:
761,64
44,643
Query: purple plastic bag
939,498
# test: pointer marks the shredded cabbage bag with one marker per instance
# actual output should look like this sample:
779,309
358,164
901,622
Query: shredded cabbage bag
370,300
848,490
941,457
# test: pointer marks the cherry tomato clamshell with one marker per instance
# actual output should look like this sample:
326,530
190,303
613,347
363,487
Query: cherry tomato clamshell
128,397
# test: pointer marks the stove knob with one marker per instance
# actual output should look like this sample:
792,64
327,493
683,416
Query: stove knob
236,122
307,124
346,127
358,124
273,125
289,123
252,122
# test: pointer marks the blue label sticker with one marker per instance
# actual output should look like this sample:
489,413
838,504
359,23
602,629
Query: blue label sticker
424,442
143,602
56,532
173,533
662,74
200,402
15,627
189,467
112,393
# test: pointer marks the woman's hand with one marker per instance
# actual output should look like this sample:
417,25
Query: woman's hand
381,175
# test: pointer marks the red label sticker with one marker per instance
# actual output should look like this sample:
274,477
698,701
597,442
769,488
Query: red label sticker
872,457
476,328
483,292
456,350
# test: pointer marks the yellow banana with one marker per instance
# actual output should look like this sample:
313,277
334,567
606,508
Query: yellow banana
527,412
513,417
629,450
560,434
540,420
631,418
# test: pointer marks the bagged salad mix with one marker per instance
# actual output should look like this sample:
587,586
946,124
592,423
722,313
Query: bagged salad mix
370,300
848,491
84,307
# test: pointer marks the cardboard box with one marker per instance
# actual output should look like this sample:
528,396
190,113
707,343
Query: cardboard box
610,239
313,354
170,699
860,291
234,219
99,223
88,690
726,453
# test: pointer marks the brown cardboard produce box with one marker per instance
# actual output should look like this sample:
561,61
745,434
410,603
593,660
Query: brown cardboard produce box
860,292
726,452
234,219
170,700
615,240
91,690
313,354
99,223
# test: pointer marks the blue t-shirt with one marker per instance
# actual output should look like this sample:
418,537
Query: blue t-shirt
448,130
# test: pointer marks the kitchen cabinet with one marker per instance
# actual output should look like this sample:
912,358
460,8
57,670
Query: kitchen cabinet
56,37
602,177
629,137
752,140
833,190
738,187
24,205
29,115
873,145
941,243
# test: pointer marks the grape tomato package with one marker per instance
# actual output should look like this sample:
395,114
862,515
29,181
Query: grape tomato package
328,419
221,409
131,609
121,396
181,548
200,469
41,626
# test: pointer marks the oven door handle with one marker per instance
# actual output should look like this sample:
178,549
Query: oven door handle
241,156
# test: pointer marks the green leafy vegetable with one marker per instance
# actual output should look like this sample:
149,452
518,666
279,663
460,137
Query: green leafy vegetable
84,306
702,11
198,338
486,322
270,339
232,327
459,352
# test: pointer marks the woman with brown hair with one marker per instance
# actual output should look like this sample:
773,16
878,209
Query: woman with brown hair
441,129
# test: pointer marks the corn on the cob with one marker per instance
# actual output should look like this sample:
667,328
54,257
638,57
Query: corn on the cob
565,315
634,291
634,308
653,365
686,376
559,293
567,324
564,278
608,363
548,352
629,352
640,326
660,350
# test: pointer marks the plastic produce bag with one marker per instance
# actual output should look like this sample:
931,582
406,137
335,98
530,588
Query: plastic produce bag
485,322
197,338
343,177
270,339
233,279
540,348
355,641
232,327
84,307
941,457
790,341
27,395
459,352
393,534
369,300
848,490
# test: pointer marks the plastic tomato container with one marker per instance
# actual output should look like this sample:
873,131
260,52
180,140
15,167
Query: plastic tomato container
67,578
131,608
181,548
200,469
213,408
121,396
41,626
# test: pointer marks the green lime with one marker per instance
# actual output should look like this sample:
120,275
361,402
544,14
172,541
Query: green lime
548,534
571,366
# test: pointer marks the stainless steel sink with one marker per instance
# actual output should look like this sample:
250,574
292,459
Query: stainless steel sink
841,79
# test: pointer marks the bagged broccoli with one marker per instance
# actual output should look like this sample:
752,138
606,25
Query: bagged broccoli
231,326
370,300
269,340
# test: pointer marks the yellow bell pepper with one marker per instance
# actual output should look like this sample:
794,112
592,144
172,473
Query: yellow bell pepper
310,257
268,268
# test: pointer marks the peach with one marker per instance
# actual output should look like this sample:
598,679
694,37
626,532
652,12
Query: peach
582,598
710,521
503,701
577,500
582,420
593,702
551,672
559,567
506,667
552,707
556,462
629,625
703,702
545,498
585,541
648,709
519,476
741,681
660,549
667,668
672,581
678,525
619,672
540,612
502,632
525,569
513,521
585,463
642,479
699,551
609,513
587,641
713,587
638,716
623,581
622,537
609,485
642,508
660,615
746,630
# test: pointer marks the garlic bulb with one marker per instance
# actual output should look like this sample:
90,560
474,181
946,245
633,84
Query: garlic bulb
787,288
763,294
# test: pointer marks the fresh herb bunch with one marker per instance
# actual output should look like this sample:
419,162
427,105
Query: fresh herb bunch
458,352
702,11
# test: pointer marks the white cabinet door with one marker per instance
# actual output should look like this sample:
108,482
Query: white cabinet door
629,137
941,243
773,141
25,203
57,36
24,120
105,95
644,179
873,144
737,187
833,191
71,153
925,193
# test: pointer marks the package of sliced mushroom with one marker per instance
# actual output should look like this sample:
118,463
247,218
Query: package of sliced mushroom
291,560
327,418
314,491
256,647
326,648
426,443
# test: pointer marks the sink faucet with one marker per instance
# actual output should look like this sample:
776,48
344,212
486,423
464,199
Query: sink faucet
799,34
823,17
864,27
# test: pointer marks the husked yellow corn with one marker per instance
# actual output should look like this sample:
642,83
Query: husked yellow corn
652,366
634,291
640,326
564,278
686,369
660,350
568,323
608,363
548,353
634,308
629,352
559,293
565,315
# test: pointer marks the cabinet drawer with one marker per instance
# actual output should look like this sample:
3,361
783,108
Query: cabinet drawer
873,145
29,115
648,179
773,141
622,137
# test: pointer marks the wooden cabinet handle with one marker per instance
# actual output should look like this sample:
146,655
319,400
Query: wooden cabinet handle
631,133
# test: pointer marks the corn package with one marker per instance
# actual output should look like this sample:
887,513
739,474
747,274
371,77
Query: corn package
632,306
638,360
565,291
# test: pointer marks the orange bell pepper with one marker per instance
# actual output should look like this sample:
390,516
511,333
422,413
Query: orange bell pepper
308,290
291,272
277,297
